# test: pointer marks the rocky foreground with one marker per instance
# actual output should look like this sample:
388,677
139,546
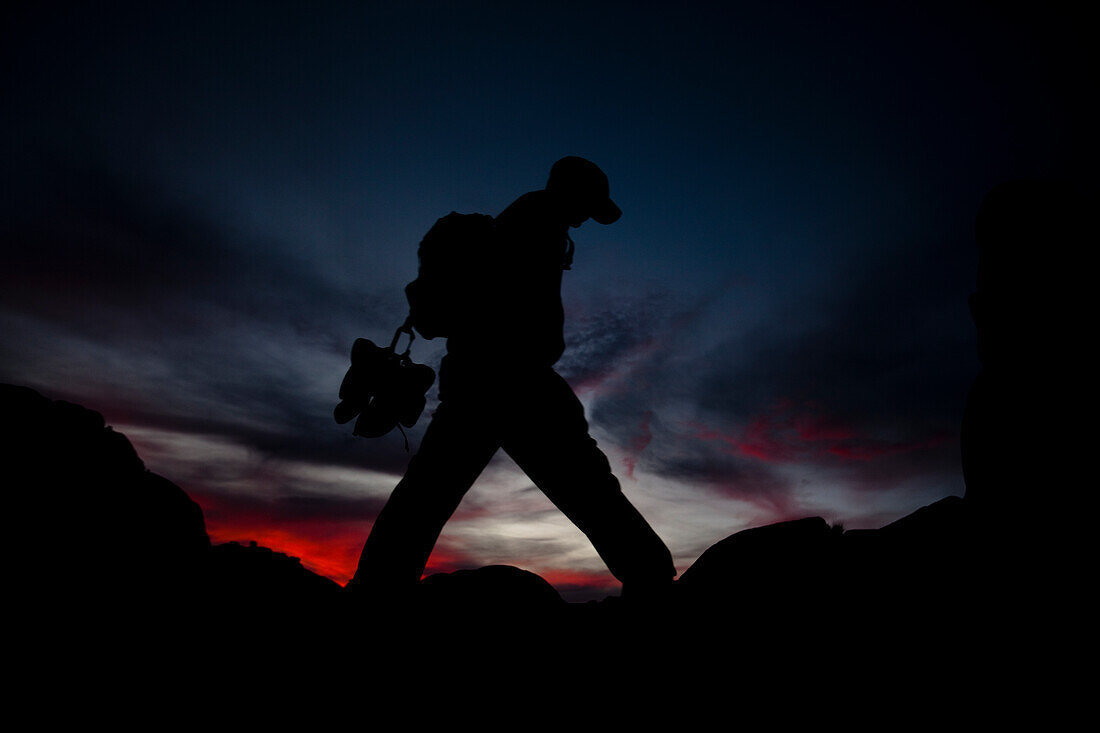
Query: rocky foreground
106,546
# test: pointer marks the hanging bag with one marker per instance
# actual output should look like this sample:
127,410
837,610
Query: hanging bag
384,388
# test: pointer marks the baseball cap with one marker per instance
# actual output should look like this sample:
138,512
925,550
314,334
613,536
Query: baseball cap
584,178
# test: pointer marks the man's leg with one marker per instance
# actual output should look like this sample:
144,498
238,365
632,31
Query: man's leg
549,440
455,449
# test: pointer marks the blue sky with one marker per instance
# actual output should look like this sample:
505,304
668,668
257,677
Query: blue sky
205,204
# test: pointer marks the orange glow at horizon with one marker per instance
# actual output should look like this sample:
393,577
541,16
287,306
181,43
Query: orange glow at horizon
331,549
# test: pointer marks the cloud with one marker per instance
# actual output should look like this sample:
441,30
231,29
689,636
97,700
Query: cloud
327,546
117,295
86,241
607,336
218,352
638,444
789,433
843,397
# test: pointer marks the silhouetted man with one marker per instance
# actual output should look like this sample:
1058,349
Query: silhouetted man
498,389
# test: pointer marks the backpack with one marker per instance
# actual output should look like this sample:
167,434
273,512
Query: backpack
448,275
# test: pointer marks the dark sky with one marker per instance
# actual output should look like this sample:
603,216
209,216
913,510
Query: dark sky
205,204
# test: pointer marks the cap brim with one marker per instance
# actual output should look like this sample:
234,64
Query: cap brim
607,212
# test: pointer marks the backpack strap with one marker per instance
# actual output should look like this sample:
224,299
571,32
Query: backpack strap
567,258
405,327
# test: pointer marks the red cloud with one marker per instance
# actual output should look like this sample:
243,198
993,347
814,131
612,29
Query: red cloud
615,376
577,585
869,449
330,546
325,547
638,444
444,560
788,433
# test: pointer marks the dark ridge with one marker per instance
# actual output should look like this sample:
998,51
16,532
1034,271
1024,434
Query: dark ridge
116,560
112,529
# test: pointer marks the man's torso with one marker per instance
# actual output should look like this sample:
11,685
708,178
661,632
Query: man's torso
517,314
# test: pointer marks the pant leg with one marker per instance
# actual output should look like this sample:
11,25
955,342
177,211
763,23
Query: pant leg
547,436
455,449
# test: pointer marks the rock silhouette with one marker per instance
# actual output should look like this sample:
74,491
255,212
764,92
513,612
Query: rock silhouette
99,518
1029,310
142,579
107,528
133,534
126,532
495,589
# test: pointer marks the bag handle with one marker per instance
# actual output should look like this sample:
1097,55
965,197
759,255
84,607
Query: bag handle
405,327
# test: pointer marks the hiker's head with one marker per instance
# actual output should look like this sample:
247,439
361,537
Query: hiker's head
582,191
